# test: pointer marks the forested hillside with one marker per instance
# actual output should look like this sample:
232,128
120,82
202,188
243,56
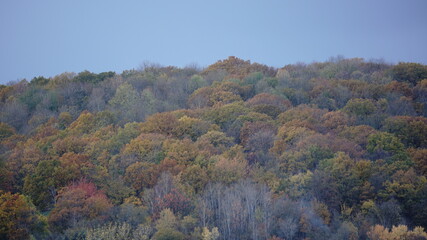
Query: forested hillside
238,150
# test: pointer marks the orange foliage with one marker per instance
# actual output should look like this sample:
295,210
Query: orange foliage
17,216
74,167
141,175
162,123
183,151
238,68
419,157
209,96
79,201
379,232
229,170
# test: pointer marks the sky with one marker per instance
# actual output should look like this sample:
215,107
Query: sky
49,37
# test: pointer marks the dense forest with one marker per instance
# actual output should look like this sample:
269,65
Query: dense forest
237,150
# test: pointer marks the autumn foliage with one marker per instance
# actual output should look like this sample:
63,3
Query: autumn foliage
238,150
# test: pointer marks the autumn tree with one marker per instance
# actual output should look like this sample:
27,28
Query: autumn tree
217,139
195,82
412,131
167,226
6,131
97,100
240,211
269,104
184,152
43,184
162,123
196,177
360,107
18,217
174,200
191,127
224,116
210,96
141,175
379,232
409,72
302,116
238,68
110,231
76,203
146,147
419,157
229,170
126,103
386,146
257,138
14,113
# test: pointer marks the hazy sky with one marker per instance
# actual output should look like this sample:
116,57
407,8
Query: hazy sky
48,37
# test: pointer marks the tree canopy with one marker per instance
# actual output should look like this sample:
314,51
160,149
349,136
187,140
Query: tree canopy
238,150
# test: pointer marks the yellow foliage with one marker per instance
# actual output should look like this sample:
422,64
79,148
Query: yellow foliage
400,232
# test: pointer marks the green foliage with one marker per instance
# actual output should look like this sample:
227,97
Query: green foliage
196,82
240,150
6,131
42,185
89,77
18,217
126,103
167,226
217,139
412,131
347,230
209,96
191,127
210,235
123,136
409,72
39,81
297,185
225,115
385,145
360,107
168,234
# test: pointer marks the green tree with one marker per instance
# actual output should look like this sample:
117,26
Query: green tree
210,235
167,227
360,107
412,131
409,72
196,82
386,146
126,103
18,217
6,131
43,184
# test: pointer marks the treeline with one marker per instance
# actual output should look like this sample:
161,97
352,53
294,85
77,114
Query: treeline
239,150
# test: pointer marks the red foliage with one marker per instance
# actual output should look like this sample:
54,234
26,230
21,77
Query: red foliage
175,201
77,202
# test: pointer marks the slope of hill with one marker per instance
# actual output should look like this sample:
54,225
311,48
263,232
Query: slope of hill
239,150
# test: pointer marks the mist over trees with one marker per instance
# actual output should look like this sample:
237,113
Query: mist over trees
238,150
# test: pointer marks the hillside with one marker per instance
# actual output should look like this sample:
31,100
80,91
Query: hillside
238,150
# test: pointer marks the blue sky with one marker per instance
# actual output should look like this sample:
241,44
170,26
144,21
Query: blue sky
48,37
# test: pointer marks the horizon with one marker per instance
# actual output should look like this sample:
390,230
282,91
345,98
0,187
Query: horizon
47,38
201,68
